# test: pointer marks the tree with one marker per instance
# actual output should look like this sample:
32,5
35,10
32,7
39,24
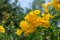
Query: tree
37,4
10,17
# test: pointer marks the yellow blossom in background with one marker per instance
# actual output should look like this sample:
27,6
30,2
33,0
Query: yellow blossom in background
18,32
43,5
48,4
56,4
2,29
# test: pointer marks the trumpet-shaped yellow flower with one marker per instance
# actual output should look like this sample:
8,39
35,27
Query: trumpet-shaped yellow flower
2,29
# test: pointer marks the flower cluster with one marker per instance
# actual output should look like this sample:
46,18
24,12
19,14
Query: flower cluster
32,20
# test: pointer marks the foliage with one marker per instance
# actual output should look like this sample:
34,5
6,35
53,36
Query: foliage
39,23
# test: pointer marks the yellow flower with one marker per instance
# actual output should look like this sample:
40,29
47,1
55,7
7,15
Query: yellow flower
46,10
45,24
45,20
45,17
43,14
38,21
36,11
32,15
19,32
43,5
48,4
2,29
24,25
48,15
56,4
29,16
30,30
26,17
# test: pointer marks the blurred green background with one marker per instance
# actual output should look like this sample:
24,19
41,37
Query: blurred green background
13,11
